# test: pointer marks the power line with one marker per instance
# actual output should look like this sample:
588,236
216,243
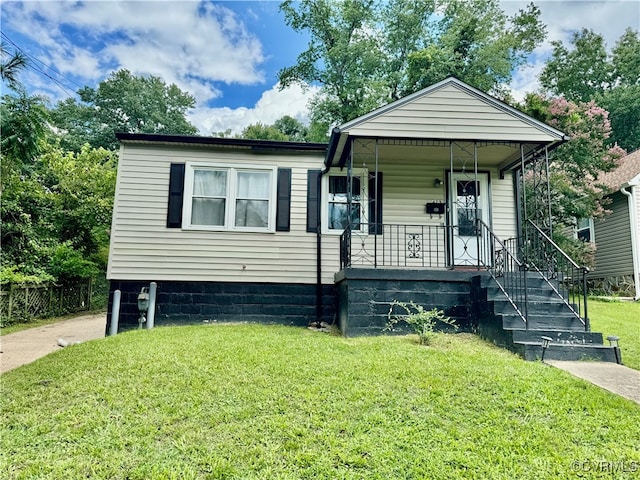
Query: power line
33,64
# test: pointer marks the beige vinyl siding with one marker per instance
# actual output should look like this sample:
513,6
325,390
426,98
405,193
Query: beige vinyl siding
613,241
142,248
450,113
408,184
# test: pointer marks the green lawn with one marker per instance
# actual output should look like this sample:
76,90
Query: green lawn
621,319
271,402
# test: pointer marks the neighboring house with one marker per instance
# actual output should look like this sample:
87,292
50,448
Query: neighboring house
405,203
617,235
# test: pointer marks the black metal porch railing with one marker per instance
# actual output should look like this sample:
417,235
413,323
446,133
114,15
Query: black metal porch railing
567,279
394,245
505,268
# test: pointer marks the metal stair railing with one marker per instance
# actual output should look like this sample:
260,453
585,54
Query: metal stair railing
504,267
566,278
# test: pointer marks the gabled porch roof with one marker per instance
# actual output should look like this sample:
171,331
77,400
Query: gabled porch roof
450,110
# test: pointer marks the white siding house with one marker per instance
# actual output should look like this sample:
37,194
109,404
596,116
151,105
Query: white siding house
255,230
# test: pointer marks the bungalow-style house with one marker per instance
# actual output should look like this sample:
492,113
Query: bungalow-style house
617,235
420,200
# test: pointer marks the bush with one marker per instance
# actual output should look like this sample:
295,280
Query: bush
67,264
422,321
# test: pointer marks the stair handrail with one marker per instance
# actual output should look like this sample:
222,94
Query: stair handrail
568,293
509,273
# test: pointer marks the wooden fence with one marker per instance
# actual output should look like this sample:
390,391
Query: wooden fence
21,303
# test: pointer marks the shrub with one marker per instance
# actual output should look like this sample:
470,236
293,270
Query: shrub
420,320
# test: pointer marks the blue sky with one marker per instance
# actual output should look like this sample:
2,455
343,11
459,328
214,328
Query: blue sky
227,54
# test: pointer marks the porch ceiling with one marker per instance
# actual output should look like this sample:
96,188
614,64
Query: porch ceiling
504,155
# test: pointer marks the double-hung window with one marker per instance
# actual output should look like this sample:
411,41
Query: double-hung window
229,198
336,208
584,230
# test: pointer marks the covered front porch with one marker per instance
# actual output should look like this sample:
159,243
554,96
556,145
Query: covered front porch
442,198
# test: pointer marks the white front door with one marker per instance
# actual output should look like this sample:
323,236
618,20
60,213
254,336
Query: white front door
468,196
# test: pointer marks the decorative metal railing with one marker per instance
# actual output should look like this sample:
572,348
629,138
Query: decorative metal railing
567,279
506,269
394,245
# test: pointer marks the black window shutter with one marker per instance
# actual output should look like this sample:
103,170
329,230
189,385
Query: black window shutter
176,192
283,204
375,204
313,197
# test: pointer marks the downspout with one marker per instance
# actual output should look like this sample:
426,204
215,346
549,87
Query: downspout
633,221
331,150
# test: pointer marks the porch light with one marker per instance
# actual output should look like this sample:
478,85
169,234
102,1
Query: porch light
545,344
437,183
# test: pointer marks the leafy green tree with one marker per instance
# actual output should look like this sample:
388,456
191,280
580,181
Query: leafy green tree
576,165
84,187
24,128
586,71
260,131
365,53
11,64
122,103
292,128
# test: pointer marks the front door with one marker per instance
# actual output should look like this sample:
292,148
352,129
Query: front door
468,197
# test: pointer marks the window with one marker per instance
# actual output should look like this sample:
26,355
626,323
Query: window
584,230
226,198
335,209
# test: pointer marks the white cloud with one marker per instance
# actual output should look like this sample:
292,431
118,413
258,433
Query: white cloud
272,105
191,44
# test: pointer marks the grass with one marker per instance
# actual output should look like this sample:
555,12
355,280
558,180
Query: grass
271,402
623,320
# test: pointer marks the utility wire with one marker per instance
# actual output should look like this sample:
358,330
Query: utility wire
33,64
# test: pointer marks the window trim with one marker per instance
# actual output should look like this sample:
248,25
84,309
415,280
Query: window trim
592,231
364,202
231,198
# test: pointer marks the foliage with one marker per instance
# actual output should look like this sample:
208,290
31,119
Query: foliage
285,129
620,319
11,64
10,275
260,131
587,72
329,407
365,53
122,103
423,322
56,214
24,126
576,165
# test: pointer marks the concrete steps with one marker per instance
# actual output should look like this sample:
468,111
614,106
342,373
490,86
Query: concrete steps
547,316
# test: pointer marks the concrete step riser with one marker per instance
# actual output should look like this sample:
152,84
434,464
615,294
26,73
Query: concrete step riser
577,337
569,353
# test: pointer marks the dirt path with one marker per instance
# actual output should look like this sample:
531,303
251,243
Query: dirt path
26,346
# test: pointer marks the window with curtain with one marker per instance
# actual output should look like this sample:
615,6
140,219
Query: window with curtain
337,214
230,198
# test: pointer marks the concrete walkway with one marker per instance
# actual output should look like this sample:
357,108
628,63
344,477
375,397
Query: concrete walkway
621,380
24,347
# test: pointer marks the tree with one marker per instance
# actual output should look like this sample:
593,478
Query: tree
587,72
24,126
260,131
11,65
123,103
365,53
286,129
576,165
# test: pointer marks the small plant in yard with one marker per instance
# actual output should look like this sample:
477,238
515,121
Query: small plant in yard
421,320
